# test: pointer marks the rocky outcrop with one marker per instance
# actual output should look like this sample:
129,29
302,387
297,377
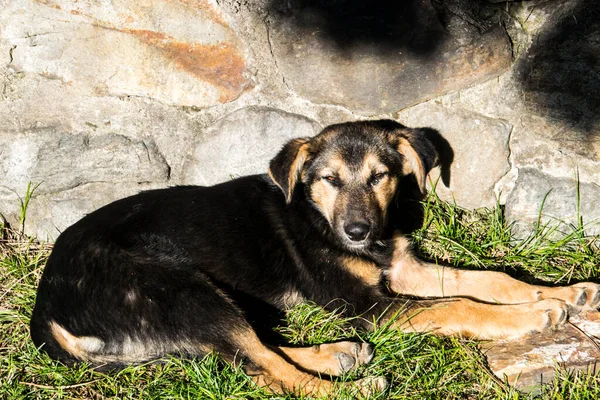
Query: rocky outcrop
61,162
562,204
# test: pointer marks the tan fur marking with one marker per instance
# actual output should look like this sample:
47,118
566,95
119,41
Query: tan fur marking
371,164
79,347
413,163
365,270
385,191
291,299
316,359
337,166
409,275
324,196
276,373
296,169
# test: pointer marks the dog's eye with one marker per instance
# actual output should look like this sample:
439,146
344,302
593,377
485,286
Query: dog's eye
377,178
331,179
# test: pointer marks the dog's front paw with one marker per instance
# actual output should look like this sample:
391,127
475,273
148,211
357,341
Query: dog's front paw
349,355
523,319
589,299
549,313
580,296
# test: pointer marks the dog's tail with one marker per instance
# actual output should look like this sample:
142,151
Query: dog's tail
83,348
124,351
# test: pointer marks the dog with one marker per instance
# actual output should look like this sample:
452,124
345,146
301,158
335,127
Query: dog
170,271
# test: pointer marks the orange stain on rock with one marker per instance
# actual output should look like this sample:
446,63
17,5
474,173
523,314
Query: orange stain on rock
219,64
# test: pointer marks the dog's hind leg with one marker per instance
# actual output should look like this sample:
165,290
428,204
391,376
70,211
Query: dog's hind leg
329,358
271,370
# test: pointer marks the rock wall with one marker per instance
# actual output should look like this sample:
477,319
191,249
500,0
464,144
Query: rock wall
99,99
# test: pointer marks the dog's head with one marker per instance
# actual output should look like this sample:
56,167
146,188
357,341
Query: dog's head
351,172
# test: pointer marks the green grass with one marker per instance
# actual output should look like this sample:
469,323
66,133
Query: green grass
416,365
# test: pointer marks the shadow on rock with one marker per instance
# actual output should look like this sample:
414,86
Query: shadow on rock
560,75
417,27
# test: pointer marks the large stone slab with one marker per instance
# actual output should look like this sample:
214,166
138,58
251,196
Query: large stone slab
59,164
533,360
384,56
243,143
56,161
480,151
178,52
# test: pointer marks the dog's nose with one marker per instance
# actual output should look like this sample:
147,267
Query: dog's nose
357,231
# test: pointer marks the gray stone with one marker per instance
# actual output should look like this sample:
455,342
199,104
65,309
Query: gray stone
243,143
62,109
480,147
55,163
528,362
559,73
328,56
561,206
59,162
182,53
554,148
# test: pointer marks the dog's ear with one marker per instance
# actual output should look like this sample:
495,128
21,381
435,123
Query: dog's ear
286,167
419,153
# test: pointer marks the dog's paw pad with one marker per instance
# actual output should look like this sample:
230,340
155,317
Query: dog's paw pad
590,297
372,385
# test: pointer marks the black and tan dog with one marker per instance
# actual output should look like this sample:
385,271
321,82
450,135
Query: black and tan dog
163,272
